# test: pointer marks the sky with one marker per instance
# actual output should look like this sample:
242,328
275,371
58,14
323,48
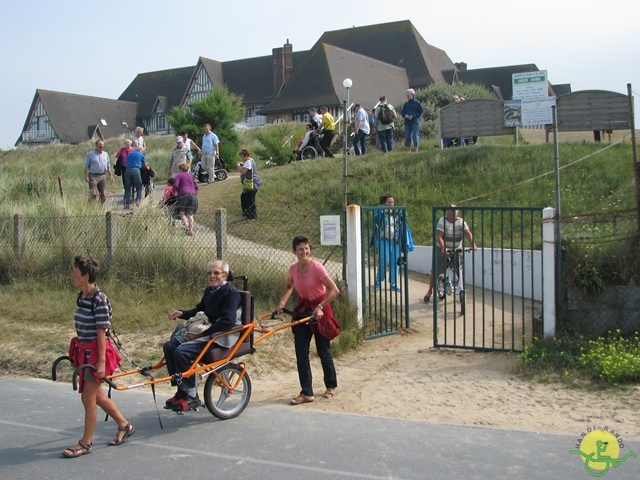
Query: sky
97,49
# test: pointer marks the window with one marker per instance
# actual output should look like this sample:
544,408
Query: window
161,122
103,122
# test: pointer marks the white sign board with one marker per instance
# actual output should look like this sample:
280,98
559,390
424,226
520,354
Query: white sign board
537,111
529,85
329,229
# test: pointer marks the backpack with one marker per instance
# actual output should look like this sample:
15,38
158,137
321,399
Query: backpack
385,114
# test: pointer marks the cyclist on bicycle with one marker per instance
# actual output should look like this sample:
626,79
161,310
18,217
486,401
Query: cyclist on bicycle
449,233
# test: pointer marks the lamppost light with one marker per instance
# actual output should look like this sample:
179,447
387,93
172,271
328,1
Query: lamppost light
347,83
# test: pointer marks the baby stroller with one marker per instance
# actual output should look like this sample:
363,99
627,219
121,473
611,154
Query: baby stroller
219,171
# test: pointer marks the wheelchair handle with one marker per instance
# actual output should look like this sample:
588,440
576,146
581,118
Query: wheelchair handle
54,367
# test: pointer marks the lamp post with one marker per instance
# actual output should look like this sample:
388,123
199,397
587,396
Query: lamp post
347,83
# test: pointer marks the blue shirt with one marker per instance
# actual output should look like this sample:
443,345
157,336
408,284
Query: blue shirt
135,159
97,163
414,108
209,142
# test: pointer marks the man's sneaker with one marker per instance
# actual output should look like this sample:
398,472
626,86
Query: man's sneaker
170,402
186,403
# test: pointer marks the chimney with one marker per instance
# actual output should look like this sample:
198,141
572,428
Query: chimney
282,65
461,66
288,61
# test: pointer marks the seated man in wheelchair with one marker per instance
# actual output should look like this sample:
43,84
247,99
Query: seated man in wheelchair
310,139
221,305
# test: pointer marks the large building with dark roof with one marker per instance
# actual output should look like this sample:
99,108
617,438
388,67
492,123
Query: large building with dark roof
384,59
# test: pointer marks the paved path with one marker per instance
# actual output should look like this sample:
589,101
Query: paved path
40,418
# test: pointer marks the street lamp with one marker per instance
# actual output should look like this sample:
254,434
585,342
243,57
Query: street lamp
347,83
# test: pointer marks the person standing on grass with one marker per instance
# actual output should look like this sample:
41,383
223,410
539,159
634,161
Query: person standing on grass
362,130
316,290
328,131
96,166
411,113
92,346
250,185
385,114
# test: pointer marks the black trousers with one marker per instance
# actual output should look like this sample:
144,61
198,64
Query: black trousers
248,204
325,142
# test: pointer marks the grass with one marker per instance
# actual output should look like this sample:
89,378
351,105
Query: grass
495,173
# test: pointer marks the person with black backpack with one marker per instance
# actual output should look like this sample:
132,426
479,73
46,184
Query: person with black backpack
385,115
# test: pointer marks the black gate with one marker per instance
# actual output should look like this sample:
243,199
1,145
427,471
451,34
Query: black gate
499,305
384,270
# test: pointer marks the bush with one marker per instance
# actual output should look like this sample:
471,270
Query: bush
275,145
615,359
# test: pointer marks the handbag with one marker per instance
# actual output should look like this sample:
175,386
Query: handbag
327,326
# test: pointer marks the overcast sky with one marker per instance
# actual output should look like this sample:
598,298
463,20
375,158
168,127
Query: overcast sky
91,49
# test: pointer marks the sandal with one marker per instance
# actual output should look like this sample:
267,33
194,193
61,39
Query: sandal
79,450
301,399
330,393
123,433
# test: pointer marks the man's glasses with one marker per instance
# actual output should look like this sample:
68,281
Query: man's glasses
214,272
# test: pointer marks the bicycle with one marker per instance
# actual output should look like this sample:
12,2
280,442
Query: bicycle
452,280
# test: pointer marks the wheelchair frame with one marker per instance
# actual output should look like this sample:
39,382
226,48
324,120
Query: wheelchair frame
227,388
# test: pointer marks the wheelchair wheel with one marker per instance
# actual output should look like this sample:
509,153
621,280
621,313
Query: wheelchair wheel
220,175
309,153
222,402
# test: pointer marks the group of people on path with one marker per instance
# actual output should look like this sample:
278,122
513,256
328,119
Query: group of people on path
182,187
219,310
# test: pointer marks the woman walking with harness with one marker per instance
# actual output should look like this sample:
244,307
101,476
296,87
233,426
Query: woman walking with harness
92,320
315,290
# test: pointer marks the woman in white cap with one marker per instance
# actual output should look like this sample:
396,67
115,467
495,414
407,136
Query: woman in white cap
180,153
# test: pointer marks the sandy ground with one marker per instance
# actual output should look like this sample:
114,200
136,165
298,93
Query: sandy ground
404,376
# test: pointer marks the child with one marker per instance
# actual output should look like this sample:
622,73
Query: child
169,198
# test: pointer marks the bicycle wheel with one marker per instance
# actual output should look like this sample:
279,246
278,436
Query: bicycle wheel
440,287
219,399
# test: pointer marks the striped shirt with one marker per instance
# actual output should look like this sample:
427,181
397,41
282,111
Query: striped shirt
92,313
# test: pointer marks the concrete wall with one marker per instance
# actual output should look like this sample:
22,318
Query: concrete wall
513,272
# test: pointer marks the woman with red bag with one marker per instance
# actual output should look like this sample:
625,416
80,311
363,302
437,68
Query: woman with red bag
92,320
315,290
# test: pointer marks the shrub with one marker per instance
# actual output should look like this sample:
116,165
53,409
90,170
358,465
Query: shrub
615,359
275,145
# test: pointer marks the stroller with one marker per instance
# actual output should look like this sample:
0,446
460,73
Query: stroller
219,171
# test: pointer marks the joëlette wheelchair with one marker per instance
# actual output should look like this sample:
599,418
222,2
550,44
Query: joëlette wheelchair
227,388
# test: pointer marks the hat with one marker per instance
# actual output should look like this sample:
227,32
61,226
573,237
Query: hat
179,139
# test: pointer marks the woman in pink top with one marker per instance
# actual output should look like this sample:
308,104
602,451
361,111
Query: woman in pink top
315,290
186,188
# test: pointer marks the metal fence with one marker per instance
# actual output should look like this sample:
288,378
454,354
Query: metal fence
600,279
148,238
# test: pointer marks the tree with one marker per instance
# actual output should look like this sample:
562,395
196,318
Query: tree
221,109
